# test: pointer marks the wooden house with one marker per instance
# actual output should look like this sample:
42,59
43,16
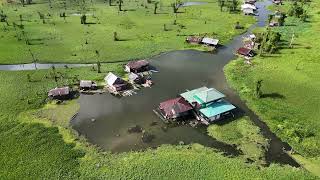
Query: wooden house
88,85
174,108
245,52
215,111
60,93
194,39
137,66
115,83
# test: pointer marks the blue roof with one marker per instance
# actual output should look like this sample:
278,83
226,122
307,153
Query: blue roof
217,108
189,95
208,95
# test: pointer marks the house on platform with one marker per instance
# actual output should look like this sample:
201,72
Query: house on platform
250,2
115,83
137,66
210,41
214,111
200,97
174,108
60,93
194,39
208,104
245,52
88,85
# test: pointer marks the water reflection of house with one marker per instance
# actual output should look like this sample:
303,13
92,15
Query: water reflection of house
60,93
208,103
88,85
115,83
137,66
174,108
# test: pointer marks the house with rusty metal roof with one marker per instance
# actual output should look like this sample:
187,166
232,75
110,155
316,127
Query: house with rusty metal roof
60,93
174,108
194,39
245,52
137,66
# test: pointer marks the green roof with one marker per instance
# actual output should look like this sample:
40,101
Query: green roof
208,95
217,108
189,95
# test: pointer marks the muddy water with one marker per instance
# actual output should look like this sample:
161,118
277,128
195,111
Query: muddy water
104,119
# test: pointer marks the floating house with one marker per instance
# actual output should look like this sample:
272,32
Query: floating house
208,103
175,108
194,39
60,93
248,6
88,85
137,66
210,41
245,52
115,83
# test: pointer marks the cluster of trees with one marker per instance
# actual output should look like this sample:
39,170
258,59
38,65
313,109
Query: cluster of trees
297,10
269,41
279,17
231,5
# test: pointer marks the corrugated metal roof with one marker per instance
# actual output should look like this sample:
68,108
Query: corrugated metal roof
208,95
59,91
111,78
210,41
217,108
175,106
189,95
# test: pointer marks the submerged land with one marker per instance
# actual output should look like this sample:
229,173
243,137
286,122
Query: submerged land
37,141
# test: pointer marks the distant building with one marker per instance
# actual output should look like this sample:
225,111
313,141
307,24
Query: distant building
115,83
210,41
245,52
87,85
137,66
60,93
194,39
175,108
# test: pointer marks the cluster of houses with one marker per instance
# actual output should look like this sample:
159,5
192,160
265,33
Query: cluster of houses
249,7
206,104
207,41
114,84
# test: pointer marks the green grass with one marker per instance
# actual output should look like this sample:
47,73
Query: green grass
141,32
291,83
38,143
243,133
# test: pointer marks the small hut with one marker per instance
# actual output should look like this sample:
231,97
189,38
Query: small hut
115,83
245,52
60,93
194,39
88,85
137,66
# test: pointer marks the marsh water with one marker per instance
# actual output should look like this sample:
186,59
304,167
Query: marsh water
104,119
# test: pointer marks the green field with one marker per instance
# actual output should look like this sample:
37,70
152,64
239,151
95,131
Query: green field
36,140
290,88
141,33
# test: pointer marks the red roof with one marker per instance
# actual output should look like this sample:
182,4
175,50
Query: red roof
175,106
137,64
244,51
